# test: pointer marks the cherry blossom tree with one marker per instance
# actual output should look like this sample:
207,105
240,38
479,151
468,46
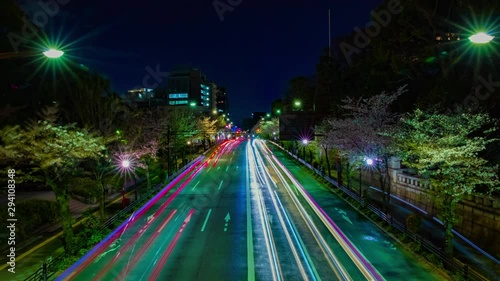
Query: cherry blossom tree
363,132
54,153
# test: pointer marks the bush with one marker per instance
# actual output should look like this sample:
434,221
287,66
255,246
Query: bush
413,223
85,188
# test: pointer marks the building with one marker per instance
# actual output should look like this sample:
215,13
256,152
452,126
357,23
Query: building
189,88
141,94
222,103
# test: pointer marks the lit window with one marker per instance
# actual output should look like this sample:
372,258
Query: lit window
177,102
178,96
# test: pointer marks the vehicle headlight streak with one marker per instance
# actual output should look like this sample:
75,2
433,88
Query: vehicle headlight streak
333,261
271,251
286,230
356,256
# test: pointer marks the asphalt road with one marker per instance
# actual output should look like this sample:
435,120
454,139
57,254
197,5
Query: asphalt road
238,215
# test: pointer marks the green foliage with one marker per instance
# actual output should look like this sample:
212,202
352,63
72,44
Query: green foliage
85,187
54,152
413,222
445,149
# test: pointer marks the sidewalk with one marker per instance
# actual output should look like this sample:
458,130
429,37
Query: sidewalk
399,209
44,242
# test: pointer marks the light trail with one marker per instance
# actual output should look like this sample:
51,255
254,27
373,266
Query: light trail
156,271
269,241
286,230
250,250
145,246
83,262
357,257
333,261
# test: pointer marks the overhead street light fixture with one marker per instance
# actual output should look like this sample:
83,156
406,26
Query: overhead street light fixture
53,53
481,38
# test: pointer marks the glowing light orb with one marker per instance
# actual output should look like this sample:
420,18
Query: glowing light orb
481,38
53,53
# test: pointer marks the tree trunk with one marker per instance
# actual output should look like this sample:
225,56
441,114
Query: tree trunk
448,215
382,188
346,175
339,171
102,201
388,182
327,161
148,177
63,198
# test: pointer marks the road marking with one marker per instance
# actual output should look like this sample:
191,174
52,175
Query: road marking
206,220
218,168
227,168
195,185
220,184
227,218
250,256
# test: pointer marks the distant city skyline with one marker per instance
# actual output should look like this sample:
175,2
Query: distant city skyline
249,52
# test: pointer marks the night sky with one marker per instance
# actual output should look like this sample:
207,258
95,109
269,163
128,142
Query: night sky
254,51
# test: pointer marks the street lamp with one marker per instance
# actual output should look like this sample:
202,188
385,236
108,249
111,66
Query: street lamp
481,38
297,103
53,53
49,53
369,162
125,164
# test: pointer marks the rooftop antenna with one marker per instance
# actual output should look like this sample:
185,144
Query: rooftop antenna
329,36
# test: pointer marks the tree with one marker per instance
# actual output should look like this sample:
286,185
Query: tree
325,143
445,149
363,133
268,128
207,129
54,152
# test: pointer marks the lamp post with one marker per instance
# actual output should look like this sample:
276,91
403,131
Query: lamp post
304,142
125,165
190,149
368,162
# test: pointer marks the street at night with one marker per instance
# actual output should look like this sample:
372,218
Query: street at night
242,215
249,140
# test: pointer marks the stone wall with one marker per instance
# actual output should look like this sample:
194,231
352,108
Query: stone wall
480,214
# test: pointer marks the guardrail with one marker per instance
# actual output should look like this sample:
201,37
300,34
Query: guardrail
449,263
48,268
